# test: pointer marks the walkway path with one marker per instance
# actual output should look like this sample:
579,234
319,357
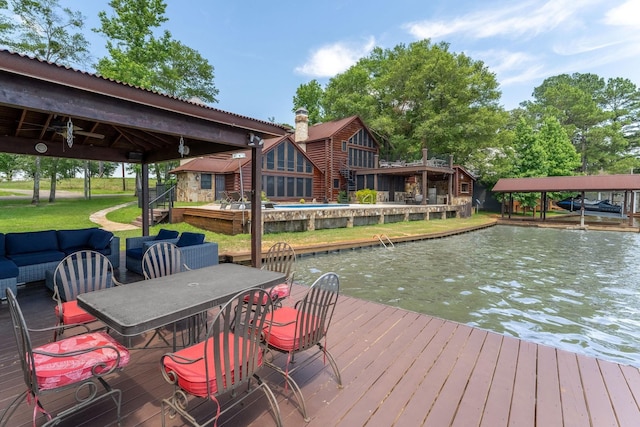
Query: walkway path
100,218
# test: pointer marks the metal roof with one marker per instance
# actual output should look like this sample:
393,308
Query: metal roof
111,120
568,183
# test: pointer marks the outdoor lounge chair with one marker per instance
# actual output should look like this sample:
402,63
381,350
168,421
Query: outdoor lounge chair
229,197
78,273
224,363
80,361
303,327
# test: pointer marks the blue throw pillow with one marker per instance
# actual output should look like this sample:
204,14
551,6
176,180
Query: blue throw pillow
100,239
165,234
190,239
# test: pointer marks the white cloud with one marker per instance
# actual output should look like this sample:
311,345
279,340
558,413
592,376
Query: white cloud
624,15
526,18
329,60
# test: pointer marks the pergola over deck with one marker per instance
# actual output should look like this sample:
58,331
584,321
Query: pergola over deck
616,183
116,122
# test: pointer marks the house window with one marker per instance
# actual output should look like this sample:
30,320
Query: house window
336,183
205,181
464,187
279,186
344,146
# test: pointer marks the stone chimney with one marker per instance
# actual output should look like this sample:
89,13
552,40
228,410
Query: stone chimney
302,128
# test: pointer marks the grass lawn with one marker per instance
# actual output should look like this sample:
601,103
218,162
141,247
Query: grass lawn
18,215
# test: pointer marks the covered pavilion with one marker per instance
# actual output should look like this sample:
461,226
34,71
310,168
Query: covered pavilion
51,110
627,183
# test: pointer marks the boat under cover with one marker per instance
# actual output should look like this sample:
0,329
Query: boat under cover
575,204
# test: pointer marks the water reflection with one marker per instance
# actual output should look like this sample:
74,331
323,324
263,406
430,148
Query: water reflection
570,289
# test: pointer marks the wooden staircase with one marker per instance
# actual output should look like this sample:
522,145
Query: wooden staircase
159,216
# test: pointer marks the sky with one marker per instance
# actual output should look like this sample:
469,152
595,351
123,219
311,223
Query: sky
263,51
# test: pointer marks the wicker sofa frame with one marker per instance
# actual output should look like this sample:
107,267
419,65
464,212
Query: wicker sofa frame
195,256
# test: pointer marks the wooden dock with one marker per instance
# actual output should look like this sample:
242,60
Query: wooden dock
399,368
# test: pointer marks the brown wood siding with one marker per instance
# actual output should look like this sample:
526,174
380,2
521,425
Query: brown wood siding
316,152
330,158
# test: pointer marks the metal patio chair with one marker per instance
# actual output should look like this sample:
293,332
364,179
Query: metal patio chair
302,327
280,258
226,362
80,362
159,260
78,273
162,259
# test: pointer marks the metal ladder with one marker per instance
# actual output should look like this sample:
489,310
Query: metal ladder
382,238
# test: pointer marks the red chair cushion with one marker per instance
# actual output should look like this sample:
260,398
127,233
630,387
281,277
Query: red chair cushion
71,313
280,291
283,329
54,372
191,376
277,292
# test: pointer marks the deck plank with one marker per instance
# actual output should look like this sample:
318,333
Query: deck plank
595,390
523,402
471,407
398,368
444,410
548,387
496,411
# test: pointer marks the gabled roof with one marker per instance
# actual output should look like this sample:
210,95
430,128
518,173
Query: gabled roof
328,129
568,183
224,163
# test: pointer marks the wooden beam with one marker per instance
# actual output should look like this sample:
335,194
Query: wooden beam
256,206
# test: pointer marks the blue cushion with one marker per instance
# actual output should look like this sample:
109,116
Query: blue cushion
68,239
100,239
190,239
135,253
36,257
8,268
165,234
1,244
31,241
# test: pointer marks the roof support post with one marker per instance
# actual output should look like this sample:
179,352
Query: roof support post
424,188
144,170
256,206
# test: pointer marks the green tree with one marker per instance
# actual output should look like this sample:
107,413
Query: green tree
9,165
562,159
421,95
138,57
309,96
592,112
6,25
56,169
49,32
53,34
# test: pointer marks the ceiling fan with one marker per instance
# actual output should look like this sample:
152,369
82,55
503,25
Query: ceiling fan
61,128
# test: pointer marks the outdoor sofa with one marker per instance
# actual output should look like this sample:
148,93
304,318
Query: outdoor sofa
26,257
195,251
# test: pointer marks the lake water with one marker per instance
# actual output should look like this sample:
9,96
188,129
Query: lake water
571,289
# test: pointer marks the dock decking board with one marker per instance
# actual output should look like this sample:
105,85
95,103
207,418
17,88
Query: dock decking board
398,368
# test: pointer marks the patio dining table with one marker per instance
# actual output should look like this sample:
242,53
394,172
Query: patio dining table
138,307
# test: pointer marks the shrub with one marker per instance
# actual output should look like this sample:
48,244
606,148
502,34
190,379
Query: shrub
367,196
302,201
342,197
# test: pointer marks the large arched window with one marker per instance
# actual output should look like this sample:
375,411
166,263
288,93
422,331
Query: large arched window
362,149
286,173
